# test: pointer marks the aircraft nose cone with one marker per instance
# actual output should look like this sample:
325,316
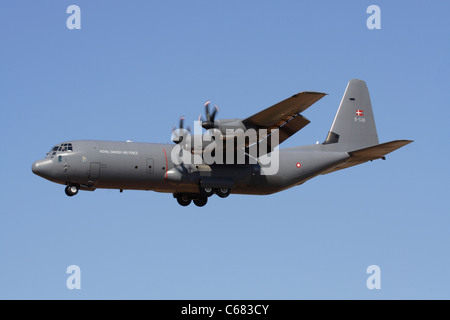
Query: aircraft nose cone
42,168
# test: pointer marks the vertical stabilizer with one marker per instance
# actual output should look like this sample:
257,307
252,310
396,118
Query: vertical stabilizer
353,127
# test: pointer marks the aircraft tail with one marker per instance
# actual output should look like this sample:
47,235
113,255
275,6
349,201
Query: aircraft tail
353,127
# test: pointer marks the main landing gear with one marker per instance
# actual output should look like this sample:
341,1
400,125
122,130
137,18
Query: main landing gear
201,199
186,199
223,192
71,190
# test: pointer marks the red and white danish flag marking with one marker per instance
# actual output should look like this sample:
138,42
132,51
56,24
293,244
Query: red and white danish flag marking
360,113
298,164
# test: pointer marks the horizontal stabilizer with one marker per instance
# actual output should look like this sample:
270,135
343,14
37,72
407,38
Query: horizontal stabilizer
378,151
371,153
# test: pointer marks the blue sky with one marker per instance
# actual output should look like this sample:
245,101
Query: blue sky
136,66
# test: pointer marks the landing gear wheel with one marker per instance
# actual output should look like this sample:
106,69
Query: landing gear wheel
184,200
207,192
200,202
71,190
223,192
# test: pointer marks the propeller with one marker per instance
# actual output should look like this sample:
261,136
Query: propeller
209,122
179,134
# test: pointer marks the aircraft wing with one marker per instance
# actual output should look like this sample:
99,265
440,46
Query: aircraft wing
285,115
276,115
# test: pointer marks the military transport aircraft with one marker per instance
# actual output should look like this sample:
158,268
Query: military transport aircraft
352,140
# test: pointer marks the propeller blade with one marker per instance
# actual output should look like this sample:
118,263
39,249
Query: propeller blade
216,109
207,110
208,123
181,122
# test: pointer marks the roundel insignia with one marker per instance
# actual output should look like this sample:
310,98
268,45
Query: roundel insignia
298,164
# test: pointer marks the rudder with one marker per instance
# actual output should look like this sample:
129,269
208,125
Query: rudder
353,127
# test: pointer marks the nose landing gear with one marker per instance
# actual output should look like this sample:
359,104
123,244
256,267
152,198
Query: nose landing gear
71,190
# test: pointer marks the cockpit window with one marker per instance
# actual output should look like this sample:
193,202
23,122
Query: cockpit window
63,147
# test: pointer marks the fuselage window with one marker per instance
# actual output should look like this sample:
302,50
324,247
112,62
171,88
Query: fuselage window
59,158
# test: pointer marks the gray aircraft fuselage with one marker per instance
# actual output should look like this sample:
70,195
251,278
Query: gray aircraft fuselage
148,166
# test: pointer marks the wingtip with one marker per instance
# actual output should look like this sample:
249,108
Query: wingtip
313,92
321,94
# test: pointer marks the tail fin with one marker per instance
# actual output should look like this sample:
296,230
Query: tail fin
353,127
